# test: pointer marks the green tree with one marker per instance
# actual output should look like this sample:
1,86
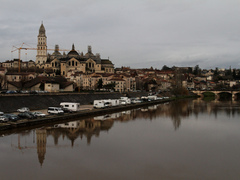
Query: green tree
164,68
100,83
109,86
197,70
216,72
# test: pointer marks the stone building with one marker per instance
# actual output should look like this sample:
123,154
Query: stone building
62,63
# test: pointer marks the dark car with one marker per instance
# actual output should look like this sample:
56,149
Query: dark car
27,115
4,91
66,110
12,117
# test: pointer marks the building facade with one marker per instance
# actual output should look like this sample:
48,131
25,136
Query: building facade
41,57
72,61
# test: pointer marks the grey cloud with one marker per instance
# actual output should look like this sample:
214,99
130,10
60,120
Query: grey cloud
137,33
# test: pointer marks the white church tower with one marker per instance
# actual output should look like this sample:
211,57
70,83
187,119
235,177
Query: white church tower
41,57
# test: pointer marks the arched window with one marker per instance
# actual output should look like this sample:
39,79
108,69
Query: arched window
72,63
69,63
76,63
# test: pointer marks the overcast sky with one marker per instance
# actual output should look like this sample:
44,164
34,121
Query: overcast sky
135,33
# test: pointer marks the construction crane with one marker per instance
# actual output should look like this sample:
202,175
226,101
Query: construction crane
28,48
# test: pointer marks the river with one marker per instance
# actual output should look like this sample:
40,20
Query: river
187,139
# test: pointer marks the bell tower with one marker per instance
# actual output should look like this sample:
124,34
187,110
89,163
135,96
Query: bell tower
41,57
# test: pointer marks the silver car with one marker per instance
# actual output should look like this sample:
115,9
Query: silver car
23,109
3,118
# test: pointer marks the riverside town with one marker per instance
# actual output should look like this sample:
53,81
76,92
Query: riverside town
70,114
71,71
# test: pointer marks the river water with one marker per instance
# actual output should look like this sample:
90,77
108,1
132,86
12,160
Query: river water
187,139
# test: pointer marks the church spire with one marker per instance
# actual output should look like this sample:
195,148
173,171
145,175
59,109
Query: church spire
42,30
41,57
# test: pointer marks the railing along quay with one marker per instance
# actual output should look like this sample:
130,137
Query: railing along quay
70,116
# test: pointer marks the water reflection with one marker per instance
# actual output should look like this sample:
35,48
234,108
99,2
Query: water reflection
92,127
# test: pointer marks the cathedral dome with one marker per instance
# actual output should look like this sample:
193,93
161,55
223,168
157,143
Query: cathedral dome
73,53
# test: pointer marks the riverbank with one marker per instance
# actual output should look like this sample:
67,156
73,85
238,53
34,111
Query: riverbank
10,103
77,115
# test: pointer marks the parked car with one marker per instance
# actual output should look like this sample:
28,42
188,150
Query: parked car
4,91
66,110
38,114
135,101
3,118
11,92
27,115
33,92
23,109
12,117
24,92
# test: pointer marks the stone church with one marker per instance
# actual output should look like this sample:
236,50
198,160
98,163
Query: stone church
72,61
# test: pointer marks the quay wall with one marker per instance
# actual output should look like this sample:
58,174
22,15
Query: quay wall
11,127
10,103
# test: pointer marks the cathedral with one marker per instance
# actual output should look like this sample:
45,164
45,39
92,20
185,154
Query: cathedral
72,61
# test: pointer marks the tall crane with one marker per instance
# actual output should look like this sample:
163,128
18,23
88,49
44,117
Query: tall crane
28,48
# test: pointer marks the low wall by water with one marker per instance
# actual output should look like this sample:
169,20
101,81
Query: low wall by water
43,101
34,123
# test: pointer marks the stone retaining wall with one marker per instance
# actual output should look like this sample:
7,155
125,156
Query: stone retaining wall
10,103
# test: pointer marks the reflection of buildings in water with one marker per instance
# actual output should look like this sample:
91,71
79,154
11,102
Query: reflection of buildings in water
92,126
154,107
214,107
108,116
41,144
88,128
144,109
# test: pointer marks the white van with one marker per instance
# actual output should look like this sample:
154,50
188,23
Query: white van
71,106
125,100
55,110
152,98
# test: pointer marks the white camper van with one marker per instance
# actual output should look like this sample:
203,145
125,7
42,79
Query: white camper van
125,100
111,102
71,106
115,102
98,104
